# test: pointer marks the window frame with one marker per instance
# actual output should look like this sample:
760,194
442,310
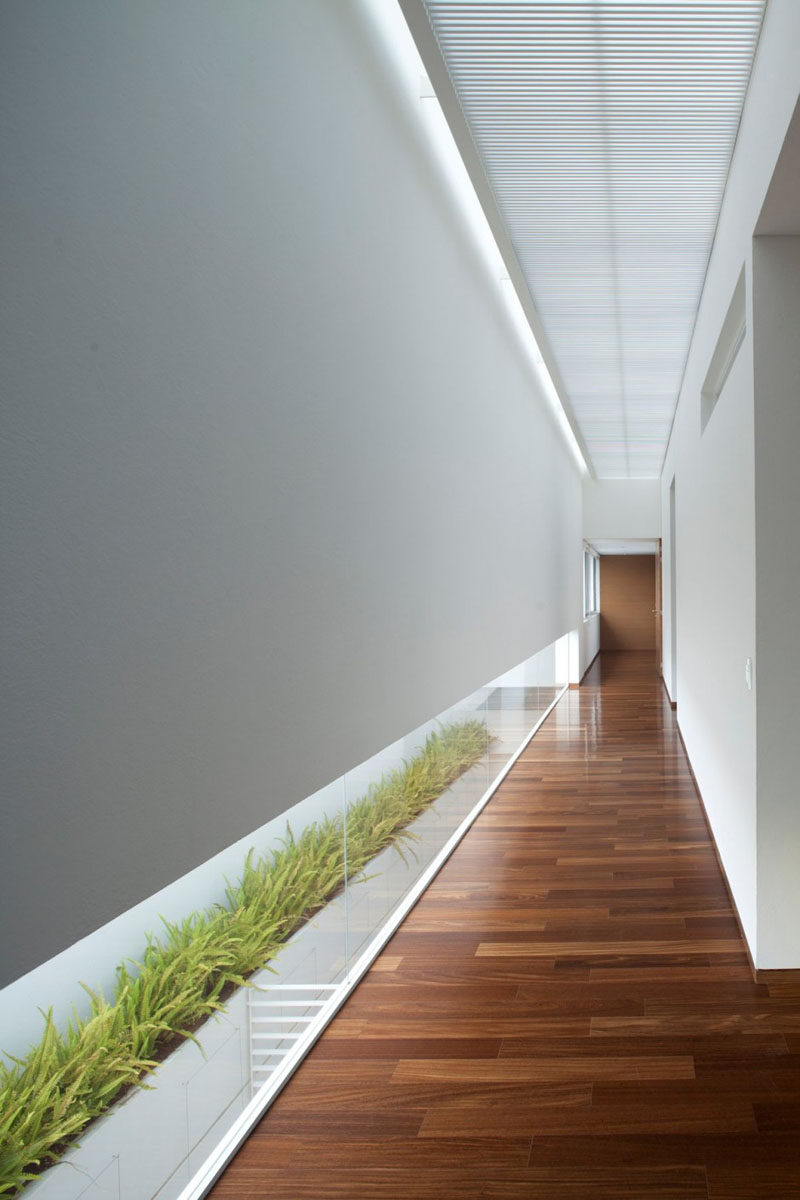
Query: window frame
591,583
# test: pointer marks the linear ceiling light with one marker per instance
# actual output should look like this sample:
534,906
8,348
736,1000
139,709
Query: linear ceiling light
404,59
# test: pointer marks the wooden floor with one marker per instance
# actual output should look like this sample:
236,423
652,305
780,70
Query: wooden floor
568,1013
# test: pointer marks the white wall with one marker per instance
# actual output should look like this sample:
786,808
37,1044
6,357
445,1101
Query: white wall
621,508
715,495
277,482
589,642
776,309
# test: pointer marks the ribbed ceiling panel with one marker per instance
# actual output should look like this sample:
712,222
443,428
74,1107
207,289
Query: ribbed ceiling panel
606,131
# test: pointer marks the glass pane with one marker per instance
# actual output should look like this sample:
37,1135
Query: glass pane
402,807
301,977
322,879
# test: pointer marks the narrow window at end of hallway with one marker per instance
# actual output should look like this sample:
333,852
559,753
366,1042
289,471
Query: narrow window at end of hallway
591,583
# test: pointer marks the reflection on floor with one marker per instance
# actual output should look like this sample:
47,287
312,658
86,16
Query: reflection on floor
568,1012
530,699
321,951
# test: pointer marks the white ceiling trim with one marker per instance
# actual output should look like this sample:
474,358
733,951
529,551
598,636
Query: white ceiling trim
624,545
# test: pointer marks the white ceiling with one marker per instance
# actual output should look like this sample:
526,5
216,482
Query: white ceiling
605,129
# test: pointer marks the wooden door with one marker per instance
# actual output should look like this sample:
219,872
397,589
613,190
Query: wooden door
627,587
657,610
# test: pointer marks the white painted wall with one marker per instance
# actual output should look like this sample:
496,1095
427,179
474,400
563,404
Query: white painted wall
589,642
715,606
277,483
621,508
715,495
776,310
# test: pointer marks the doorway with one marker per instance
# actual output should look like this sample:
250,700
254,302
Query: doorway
673,621
657,613
627,588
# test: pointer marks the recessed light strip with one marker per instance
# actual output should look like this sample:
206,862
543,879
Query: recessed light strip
413,68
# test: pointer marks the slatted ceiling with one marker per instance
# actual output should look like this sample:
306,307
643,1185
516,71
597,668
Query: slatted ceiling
606,129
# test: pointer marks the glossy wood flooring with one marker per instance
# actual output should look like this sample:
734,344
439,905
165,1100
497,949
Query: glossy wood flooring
568,1012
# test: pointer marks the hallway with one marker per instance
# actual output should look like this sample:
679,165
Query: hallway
568,1012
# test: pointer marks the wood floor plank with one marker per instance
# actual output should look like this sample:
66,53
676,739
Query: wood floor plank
636,1183
461,1028
568,1012
761,1181
579,949
311,1183
574,1114
708,1049
347,1048
542,1069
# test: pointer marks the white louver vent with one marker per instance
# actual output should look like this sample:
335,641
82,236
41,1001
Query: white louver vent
606,130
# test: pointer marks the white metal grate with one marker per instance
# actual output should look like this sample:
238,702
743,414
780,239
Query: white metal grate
279,1016
606,130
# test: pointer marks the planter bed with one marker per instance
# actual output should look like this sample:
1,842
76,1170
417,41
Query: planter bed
196,1092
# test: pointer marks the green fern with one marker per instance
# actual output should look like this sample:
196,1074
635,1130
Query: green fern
69,1078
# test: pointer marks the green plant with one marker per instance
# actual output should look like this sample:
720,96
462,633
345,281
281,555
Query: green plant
69,1078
